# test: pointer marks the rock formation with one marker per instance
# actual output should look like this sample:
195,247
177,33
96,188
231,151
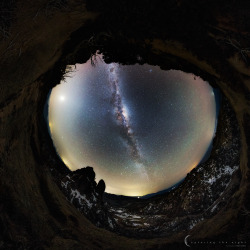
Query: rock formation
82,191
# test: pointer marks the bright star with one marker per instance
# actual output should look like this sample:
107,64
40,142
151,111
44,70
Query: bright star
62,98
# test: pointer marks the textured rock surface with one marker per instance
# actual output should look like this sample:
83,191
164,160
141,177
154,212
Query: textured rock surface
82,191
209,38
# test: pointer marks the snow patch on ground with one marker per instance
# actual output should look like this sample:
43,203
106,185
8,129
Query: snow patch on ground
110,223
225,170
75,194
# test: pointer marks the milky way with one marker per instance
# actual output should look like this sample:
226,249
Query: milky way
142,129
123,119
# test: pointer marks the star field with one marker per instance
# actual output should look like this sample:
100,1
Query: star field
142,129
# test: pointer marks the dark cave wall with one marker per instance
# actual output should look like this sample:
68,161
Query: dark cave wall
34,212
42,41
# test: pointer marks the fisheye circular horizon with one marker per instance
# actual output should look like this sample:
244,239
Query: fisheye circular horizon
142,129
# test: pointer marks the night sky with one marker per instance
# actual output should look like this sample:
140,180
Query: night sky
142,129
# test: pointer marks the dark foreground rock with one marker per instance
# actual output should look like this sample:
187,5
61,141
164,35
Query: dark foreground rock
82,191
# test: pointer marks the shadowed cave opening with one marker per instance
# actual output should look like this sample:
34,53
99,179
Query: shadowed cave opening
141,128
133,217
207,38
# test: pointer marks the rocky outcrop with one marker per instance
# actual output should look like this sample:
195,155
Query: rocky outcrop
83,180
82,191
